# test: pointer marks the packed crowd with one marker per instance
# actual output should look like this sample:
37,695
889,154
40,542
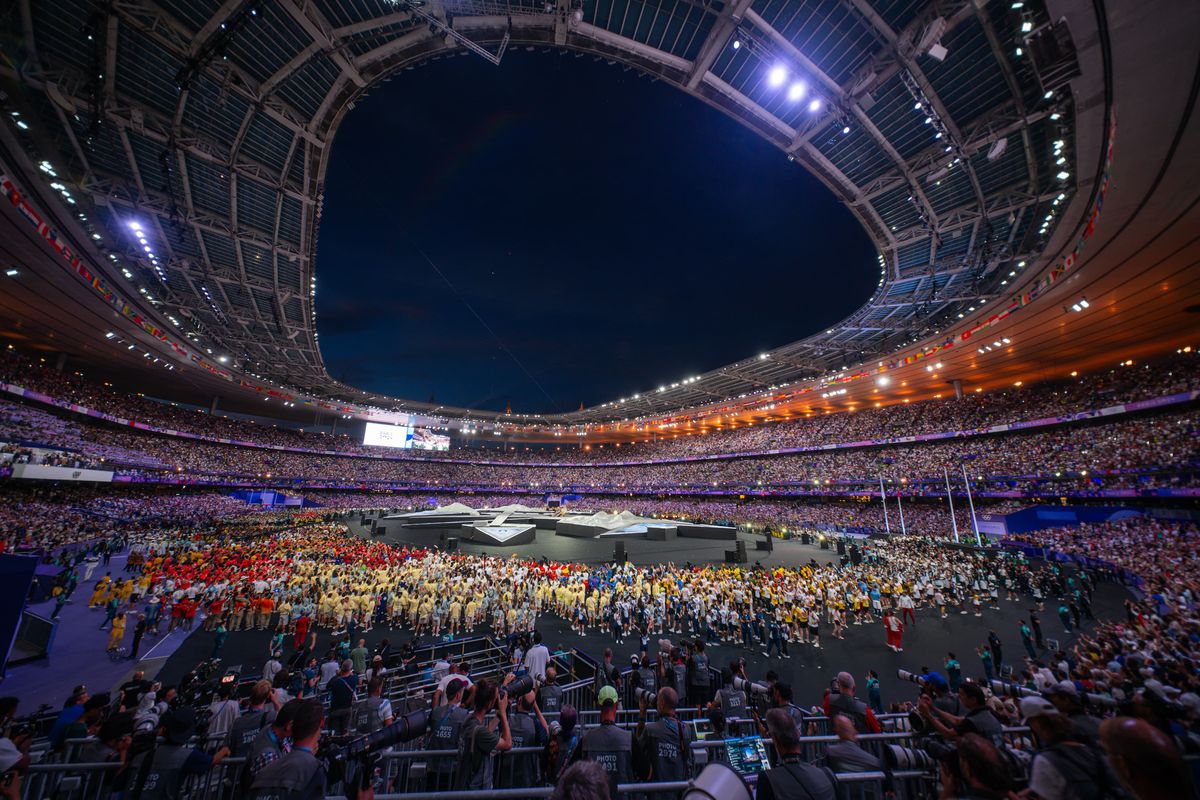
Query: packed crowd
1043,400
1143,453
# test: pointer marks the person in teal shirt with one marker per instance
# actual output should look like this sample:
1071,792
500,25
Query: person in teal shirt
953,672
219,639
873,697
985,655
1027,639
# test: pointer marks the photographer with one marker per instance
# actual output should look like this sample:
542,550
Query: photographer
160,772
254,719
840,700
793,778
529,729
979,718
731,700
781,699
480,740
607,673
608,744
1065,697
298,775
273,741
661,746
699,689
445,729
550,694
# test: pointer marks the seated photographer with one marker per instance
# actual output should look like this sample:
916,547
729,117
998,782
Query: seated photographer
699,689
529,729
793,778
641,675
1064,768
661,748
480,740
840,700
847,755
978,719
607,744
781,699
975,771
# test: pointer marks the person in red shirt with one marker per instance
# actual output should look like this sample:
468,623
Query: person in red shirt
301,631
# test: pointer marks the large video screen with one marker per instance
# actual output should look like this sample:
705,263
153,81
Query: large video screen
378,435
425,439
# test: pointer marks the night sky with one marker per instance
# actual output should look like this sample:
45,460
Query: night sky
611,233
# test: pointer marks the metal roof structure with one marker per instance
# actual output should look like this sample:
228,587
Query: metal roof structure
208,125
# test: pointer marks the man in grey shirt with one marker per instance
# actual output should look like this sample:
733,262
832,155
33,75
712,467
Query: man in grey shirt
846,755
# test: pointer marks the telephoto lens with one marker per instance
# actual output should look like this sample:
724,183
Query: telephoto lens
518,687
405,729
646,693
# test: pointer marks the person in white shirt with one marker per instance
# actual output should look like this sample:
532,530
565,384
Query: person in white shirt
225,710
537,658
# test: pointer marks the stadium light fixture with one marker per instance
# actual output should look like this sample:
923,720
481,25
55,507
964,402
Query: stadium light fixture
815,105
777,76
883,380
796,91
11,272
737,44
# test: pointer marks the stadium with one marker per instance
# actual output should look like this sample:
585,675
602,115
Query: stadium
941,542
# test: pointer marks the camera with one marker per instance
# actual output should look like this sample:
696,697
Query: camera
338,753
911,677
518,687
650,696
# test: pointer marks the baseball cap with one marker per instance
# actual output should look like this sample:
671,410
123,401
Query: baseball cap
607,695
935,680
1037,707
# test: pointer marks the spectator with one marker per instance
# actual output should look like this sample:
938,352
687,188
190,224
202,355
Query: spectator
1145,759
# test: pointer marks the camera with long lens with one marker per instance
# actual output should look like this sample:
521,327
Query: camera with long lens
356,756
911,677
650,696
518,686
932,753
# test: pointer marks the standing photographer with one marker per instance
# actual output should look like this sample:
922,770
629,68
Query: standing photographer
609,745
298,775
529,729
841,700
445,730
699,690
731,700
661,747
550,694
481,740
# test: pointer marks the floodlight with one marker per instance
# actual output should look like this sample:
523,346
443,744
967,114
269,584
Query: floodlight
777,76
796,91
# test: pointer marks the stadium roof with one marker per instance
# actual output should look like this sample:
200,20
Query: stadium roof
180,148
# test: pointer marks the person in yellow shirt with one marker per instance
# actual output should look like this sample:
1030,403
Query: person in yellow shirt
117,633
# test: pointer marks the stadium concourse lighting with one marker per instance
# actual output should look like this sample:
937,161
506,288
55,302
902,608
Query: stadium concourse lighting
777,76
883,380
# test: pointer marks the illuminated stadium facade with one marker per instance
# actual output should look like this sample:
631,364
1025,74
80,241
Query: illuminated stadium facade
1029,220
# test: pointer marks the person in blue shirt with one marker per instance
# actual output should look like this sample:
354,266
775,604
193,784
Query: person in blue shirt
72,711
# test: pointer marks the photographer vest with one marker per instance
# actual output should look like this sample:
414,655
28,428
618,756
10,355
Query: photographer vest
679,671
245,729
852,707
733,703
647,679
701,677
367,711
520,769
612,748
665,746
165,772
445,729
550,699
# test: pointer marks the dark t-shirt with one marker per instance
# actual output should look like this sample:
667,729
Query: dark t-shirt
341,693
